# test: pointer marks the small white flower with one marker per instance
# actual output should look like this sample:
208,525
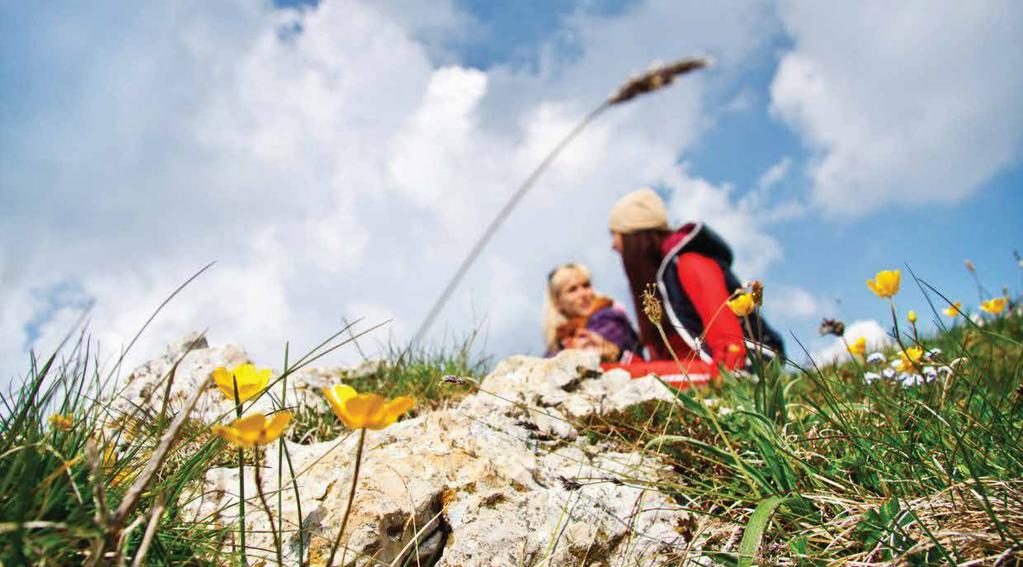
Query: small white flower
933,352
895,363
875,358
977,319
871,377
724,410
908,379
888,373
930,372
944,371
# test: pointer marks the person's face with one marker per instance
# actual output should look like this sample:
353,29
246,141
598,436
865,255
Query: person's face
575,297
616,242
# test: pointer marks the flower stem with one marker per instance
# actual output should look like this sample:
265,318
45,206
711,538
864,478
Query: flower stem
241,479
351,497
269,514
298,506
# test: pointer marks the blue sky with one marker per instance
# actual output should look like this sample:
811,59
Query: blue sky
933,239
337,159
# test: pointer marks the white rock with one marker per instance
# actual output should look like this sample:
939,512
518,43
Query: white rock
144,388
503,478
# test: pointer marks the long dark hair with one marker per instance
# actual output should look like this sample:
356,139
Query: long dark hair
641,256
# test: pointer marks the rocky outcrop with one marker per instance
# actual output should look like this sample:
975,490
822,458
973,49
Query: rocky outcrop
503,478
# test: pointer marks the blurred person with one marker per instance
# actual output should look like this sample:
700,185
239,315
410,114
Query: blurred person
691,270
574,316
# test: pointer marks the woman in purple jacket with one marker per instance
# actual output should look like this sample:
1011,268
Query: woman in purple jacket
576,317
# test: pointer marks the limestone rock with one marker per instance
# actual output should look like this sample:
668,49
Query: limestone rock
145,387
503,478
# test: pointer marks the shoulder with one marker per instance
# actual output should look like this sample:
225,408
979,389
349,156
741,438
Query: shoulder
614,311
696,261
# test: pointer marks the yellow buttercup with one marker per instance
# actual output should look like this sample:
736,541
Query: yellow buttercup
994,306
255,429
365,411
62,422
885,283
909,358
251,381
742,305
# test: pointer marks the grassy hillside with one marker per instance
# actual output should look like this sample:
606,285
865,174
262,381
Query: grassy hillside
848,463
822,465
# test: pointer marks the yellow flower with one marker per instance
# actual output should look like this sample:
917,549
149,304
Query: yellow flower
365,411
994,306
909,358
859,346
255,429
118,475
912,317
742,305
62,422
885,283
953,310
251,381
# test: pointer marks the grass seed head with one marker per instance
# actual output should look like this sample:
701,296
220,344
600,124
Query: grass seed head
652,305
657,78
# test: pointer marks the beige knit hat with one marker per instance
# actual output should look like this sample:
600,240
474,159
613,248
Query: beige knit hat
639,210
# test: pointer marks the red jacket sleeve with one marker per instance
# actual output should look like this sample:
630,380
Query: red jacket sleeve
704,282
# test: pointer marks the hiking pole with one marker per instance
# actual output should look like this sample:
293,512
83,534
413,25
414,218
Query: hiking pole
655,79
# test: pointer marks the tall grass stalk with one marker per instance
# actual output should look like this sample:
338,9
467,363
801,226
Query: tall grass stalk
241,482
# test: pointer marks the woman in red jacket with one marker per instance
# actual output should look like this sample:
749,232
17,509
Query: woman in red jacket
691,269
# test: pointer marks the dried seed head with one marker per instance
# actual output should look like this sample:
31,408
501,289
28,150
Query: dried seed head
652,305
969,266
832,327
756,289
452,379
657,78
569,484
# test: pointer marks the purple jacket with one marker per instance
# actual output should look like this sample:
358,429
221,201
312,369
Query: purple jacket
613,324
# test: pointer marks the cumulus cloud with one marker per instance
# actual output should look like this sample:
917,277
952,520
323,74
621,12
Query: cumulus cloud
336,162
774,174
737,220
876,335
908,102
794,303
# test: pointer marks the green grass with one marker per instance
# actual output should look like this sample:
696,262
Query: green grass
852,471
60,488
809,466
417,373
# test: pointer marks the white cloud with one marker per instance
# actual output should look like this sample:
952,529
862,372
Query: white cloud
336,169
876,335
736,220
908,102
793,303
744,101
774,174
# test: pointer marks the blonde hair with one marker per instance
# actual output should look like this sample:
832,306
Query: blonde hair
552,316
